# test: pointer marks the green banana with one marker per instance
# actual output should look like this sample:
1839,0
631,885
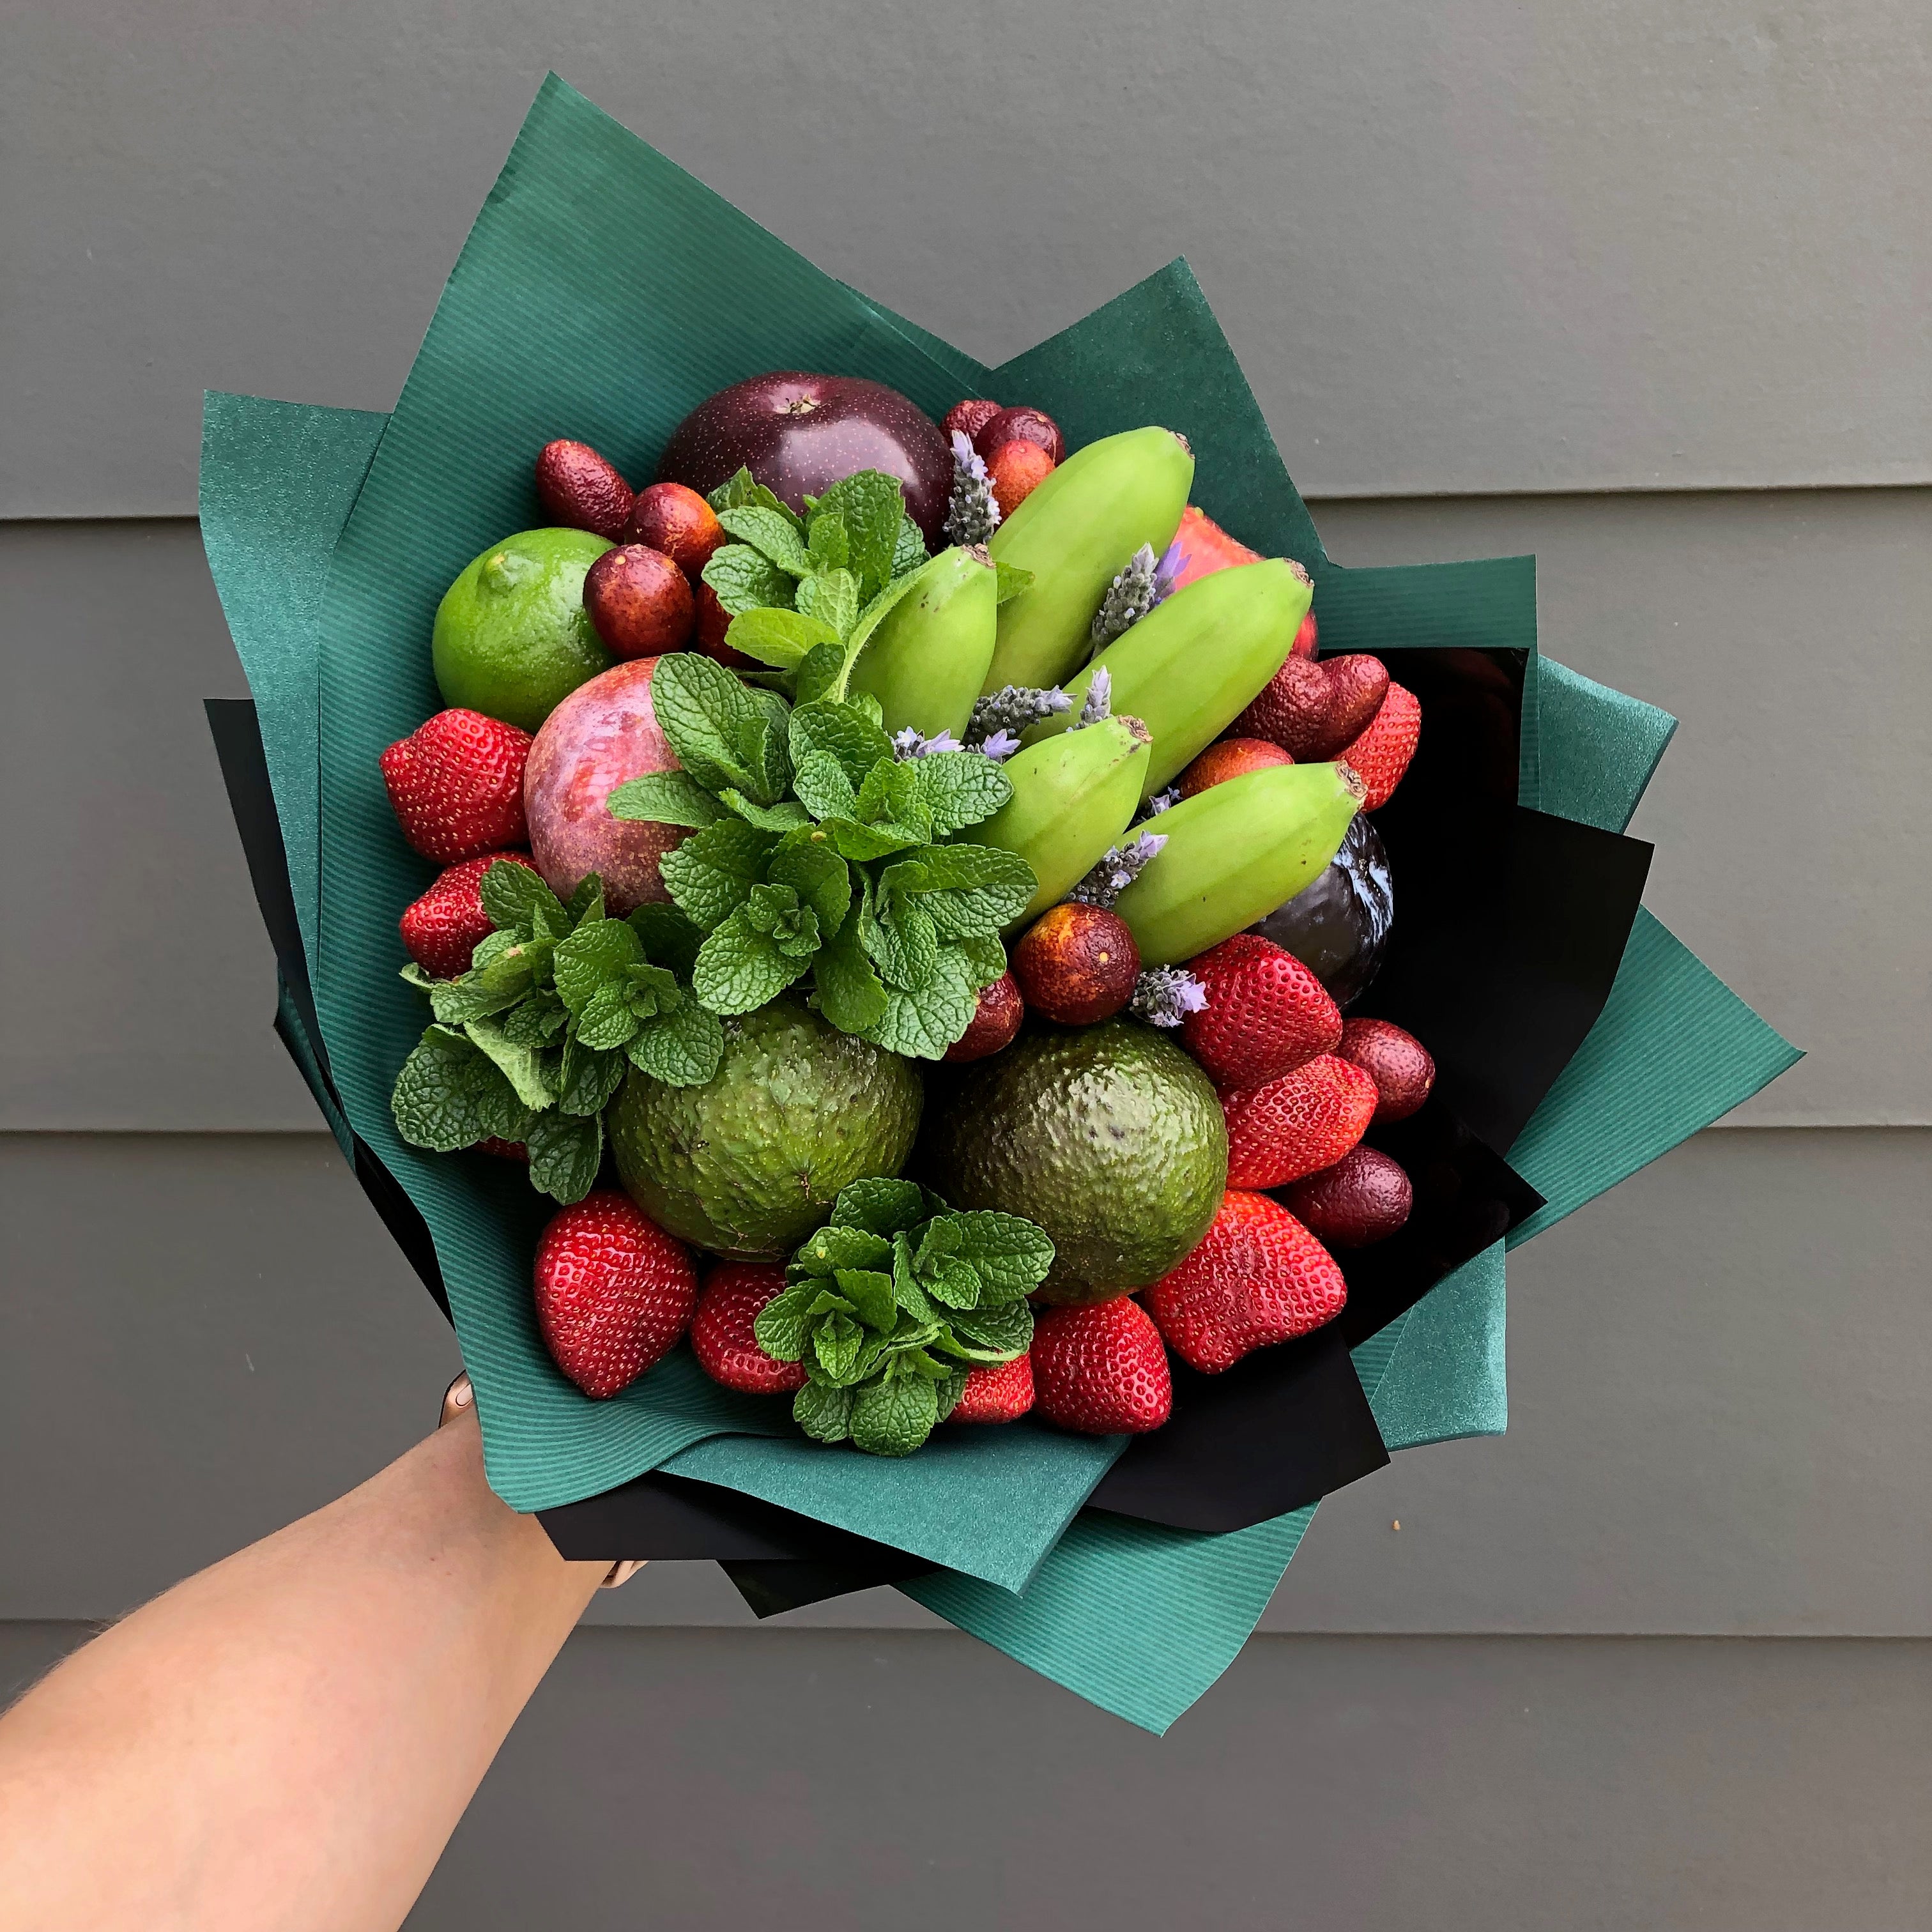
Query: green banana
926,661
1234,852
1072,797
1194,662
1075,532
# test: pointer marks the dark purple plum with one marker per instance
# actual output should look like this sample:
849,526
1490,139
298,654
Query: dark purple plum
1338,926
798,434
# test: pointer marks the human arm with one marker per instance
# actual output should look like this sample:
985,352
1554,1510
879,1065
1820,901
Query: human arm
285,1742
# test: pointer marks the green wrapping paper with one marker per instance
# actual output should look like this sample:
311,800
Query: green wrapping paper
558,319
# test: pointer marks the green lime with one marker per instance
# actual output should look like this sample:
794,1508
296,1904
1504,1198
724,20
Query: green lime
512,639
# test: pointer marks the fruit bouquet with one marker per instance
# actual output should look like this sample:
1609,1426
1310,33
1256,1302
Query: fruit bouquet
939,997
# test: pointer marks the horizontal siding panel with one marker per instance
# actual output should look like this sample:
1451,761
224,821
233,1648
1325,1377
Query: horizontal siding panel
1485,247
1717,1420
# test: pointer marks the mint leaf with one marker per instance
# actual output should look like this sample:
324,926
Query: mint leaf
823,1411
438,1097
922,1023
833,747
870,1292
781,1325
903,941
820,674
668,798
773,533
872,506
788,816
806,861
784,638
607,1021
906,1288
511,895
909,551
474,997
737,490
588,1079
565,1153
893,1416
828,542
834,1247
880,1205
836,1341
711,874
960,788
1011,1255
820,780
850,993
744,579
522,1066
998,1334
831,597
669,938
708,716
948,1392
536,1020
586,901
682,1047
860,843
740,968
1012,579
974,891
593,956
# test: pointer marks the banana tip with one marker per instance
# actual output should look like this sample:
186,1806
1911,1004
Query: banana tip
1352,781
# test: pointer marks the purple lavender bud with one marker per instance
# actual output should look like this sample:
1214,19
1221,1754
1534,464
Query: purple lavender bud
1165,995
1099,703
1173,562
1163,801
1000,745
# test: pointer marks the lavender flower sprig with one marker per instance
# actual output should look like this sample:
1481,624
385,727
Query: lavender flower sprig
911,743
1099,704
1118,867
973,512
1164,996
1008,712
1143,584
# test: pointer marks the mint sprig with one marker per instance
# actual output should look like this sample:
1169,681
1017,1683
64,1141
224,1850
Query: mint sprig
846,877
893,1303
531,1042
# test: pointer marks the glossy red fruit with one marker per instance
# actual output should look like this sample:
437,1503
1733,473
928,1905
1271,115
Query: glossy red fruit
969,417
1299,1124
1015,470
1396,1061
1077,964
734,1295
996,1392
456,784
1305,638
1311,708
1101,1370
994,1021
1381,753
441,929
1267,1013
603,734
1232,758
640,602
713,621
583,491
1258,1277
1205,547
800,434
680,523
614,1292
1020,424
1363,1198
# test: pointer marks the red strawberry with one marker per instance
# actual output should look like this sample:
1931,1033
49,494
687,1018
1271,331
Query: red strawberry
1257,1277
441,929
969,417
1102,1370
613,1292
735,1293
1299,1124
1266,1013
1364,1197
1381,753
1397,1062
583,491
996,1392
1311,709
503,1150
456,783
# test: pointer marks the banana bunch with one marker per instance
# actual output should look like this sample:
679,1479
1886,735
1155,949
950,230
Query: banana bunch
929,658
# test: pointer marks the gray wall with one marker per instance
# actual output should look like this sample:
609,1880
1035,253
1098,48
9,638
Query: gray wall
1644,290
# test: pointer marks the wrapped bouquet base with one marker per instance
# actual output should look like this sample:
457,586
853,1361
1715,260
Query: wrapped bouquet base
601,294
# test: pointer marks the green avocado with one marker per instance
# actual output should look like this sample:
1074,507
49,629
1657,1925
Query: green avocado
1109,1136
749,1164
512,638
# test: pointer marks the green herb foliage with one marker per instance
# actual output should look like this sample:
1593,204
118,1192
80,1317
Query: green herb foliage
891,1306
814,850
531,1043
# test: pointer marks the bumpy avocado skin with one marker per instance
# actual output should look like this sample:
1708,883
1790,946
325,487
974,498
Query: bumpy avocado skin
1109,1136
749,1165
